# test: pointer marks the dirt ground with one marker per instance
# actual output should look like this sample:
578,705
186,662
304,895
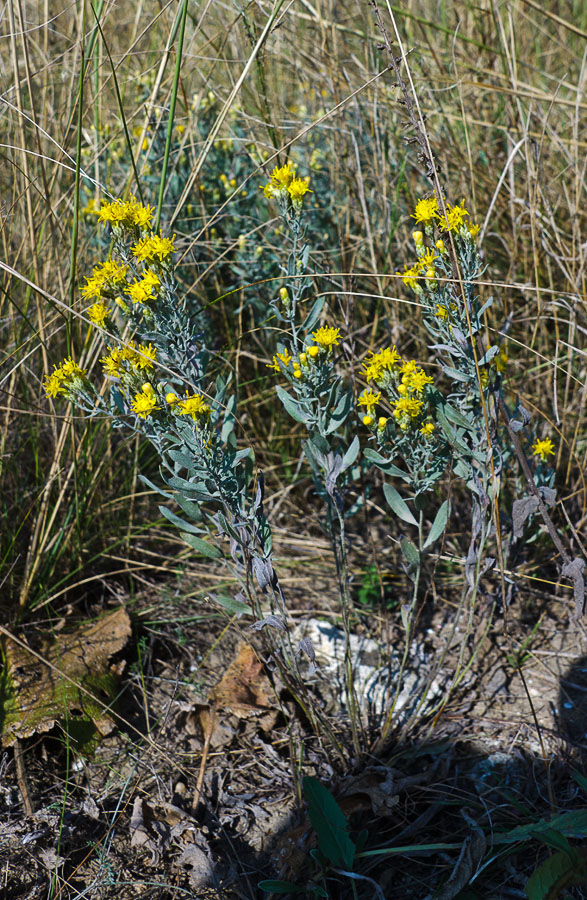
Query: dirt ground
196,792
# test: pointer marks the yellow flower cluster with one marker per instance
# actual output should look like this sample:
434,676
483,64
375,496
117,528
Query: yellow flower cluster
386,360
126,214
98,313
369,399
283,184
154,248
142,291
145,401
284,357
414,379
427,212
63,378
104,279
326,338
129,359
195,406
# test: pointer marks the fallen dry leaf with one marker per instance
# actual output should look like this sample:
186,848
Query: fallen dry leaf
71,681
244,688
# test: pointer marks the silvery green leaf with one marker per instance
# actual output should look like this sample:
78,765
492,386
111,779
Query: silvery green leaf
156,488
384,464
522,509
458,335
351,454
398,505
341,411
488,356
183,459
292,407
438,525
410,552
314,314
263,571
204,548
575,571
179,522
447,348
240,455
305,255
455,375
453,415
516,425
119,400
548,494
259,492
233,605
485,307
191,509
273,622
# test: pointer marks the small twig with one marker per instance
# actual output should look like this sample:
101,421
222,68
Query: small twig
207,738
21,778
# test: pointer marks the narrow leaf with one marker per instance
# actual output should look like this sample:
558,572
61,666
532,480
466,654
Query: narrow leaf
398,505
291,406
202,547
178,521
438,525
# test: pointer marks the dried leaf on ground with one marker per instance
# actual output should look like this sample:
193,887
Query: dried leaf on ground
68,679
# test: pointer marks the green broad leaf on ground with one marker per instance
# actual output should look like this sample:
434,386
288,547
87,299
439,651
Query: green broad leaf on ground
280,887
399,505
557,872
329,823
202,547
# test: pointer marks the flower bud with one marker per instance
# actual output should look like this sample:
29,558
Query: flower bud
367,420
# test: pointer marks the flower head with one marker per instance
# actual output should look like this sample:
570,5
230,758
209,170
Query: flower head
126,214
370,399
195,406
141,291
386,360
104,278
64,378
416,380
427,430
543,449
410,275
281,177
98,313
145,402
284,357
455,217
426,210
405,410
326,337
154,248
296,190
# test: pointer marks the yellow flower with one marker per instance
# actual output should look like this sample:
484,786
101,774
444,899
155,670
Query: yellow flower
381,423
370,399
141,291
427,430
296,190
426,210
427,259
417,381
386,360
407,408
98,313
153,247
126,214
440,246
145,356
543,449
283,295
63,378
107,274
455,217
281,177
326,338
441,312
195,406
410,275
473,229
313,351
297,373
171,398
112,363
409,366
367,420
145,402
285,358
